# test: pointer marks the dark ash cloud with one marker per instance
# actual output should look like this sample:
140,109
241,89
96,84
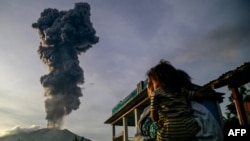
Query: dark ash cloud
64,35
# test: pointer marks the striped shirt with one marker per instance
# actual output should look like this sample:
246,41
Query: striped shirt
175,116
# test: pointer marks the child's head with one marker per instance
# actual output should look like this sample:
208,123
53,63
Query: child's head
165,76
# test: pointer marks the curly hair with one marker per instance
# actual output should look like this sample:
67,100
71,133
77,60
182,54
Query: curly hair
169,77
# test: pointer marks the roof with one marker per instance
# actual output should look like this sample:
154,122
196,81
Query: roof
232,78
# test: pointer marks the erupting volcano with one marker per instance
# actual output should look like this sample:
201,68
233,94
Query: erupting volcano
64,35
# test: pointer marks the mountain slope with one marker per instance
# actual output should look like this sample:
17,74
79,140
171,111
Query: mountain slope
46,134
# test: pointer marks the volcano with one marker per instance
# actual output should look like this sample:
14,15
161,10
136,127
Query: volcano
45,134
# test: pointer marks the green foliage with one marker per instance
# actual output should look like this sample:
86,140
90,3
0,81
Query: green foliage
245,91
230,110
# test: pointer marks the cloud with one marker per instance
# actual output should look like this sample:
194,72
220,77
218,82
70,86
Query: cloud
17,130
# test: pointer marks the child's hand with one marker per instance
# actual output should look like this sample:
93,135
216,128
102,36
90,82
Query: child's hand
150,89
150,93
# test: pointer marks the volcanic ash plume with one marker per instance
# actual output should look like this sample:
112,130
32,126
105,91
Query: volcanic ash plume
64,35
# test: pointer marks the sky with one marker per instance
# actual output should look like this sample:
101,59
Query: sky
206,38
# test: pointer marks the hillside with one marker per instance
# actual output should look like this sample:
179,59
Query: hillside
46,134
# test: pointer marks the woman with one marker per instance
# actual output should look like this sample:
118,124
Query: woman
169,106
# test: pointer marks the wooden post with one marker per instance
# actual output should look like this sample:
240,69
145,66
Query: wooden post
136,117
113,131
238,102
125,129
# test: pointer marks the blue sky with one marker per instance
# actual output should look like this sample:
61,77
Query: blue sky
203,37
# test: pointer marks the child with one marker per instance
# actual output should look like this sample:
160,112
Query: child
169,105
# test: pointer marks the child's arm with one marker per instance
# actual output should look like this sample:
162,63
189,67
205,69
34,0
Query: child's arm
154,108
154,115
153,104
